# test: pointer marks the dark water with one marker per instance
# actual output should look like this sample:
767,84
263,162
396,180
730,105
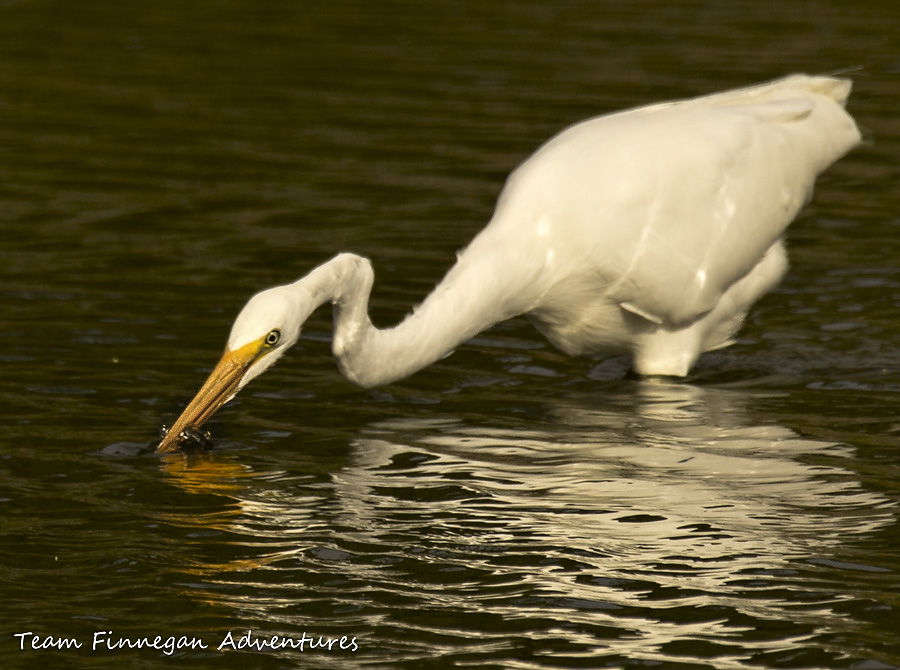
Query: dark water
509,507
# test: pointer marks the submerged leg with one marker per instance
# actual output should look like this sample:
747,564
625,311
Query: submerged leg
672,352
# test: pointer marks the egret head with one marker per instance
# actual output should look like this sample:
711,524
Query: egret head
267,326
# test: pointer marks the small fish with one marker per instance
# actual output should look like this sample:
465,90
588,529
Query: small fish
190,439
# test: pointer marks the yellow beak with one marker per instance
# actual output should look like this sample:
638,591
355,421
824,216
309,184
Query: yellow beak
218,389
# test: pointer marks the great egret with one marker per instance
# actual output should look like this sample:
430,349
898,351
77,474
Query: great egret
650,232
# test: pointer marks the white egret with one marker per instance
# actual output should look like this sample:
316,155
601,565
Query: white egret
649,232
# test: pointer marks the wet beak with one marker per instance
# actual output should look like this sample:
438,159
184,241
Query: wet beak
218,389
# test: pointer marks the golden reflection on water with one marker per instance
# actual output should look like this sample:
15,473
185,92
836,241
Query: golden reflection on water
205,473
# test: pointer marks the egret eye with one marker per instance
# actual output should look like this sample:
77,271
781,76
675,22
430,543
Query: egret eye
273,337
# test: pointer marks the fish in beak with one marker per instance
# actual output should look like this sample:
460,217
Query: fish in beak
222,385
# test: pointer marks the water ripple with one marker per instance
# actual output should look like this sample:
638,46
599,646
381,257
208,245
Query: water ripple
671,537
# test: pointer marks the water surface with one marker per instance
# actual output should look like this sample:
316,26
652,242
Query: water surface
507,508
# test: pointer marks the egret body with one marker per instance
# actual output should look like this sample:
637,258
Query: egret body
649,232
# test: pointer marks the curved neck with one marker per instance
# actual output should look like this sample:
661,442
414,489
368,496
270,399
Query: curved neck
463,304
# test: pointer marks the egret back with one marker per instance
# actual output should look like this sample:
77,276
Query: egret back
661,209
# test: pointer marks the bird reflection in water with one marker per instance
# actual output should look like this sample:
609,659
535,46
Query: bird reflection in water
672,487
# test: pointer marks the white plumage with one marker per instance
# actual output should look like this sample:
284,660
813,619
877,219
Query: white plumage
650,232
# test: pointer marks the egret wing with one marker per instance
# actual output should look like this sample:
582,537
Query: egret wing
671,204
